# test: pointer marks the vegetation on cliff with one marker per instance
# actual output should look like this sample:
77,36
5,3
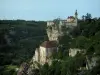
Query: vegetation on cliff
86,36
25,37
18,40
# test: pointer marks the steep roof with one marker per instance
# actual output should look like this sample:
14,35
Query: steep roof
49,44
71,17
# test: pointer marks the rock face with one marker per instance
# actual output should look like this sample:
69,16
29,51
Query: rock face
91,61
23,70
59,27
74,51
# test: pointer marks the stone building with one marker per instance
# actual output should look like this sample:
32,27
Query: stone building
44,52
59,27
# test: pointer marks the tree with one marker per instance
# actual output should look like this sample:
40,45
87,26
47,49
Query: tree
80,42
88,16
44,69
65,41
83,17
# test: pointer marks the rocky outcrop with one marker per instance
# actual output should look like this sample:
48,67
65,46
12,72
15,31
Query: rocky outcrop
23,70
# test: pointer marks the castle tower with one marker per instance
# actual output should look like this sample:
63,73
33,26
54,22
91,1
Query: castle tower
76,16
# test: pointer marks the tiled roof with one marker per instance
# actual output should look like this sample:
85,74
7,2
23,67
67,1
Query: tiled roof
49,44
70,17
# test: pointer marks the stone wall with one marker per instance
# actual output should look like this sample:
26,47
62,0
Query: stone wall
55,30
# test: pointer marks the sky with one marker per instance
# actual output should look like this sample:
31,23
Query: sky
47,9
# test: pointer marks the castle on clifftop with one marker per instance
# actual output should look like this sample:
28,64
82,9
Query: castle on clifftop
59,27
55,29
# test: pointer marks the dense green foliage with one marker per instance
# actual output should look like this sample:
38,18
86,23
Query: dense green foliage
87,37
24,37
27,37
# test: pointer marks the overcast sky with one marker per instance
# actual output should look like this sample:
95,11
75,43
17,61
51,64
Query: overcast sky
47,9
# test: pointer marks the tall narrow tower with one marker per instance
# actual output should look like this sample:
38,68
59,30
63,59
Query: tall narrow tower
76,17
76,14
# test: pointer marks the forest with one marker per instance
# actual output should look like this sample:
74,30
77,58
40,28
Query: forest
25,37
18,41
86,36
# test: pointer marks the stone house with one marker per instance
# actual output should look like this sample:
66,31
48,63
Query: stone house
45,51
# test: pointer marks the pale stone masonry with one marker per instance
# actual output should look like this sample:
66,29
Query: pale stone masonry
56,27
44,52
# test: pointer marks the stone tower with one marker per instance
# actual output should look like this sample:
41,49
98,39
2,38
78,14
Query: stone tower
76,16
